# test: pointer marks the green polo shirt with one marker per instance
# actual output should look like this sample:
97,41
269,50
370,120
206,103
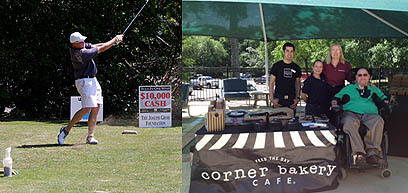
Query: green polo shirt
358,104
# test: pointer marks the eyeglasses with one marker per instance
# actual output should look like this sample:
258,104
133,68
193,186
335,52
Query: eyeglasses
360,75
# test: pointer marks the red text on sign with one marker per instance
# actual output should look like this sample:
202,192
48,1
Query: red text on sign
155,103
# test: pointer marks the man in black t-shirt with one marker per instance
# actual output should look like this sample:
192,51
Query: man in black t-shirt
284,87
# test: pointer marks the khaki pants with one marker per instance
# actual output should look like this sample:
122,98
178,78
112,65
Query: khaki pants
375,124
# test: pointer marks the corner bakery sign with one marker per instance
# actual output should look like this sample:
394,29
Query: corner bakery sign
262,162
266,177
261,175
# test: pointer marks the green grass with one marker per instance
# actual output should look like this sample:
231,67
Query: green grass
147,162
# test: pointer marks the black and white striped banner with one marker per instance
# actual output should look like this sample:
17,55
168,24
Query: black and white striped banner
288,161
316,138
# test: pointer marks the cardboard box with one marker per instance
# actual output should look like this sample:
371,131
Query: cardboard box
215,121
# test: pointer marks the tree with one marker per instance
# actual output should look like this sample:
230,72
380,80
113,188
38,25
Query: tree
203,51
36,74
251,58
356,51
235,56
271,46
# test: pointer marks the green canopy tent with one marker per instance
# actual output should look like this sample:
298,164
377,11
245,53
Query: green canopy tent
295,19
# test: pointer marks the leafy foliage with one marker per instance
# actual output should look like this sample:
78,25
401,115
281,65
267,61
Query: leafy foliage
36,74
251,58
370,53
202,51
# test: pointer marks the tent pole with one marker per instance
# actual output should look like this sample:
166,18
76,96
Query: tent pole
386,22
266,47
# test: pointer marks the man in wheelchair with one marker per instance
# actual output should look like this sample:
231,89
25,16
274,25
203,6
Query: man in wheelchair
359,105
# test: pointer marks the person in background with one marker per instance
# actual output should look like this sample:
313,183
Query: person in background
314,91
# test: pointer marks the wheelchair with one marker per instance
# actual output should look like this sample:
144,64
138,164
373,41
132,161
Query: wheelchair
345,159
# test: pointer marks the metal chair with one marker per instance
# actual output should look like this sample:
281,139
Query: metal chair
236,89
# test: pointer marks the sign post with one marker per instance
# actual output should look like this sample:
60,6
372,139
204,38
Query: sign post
155,106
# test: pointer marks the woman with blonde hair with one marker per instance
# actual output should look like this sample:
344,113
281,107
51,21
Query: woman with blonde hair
336,69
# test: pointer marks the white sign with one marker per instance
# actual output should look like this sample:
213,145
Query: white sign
155,106
76,105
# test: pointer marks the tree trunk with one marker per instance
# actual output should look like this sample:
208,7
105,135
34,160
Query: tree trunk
235,57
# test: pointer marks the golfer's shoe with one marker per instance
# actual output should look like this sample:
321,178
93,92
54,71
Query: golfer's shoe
91,140
62,135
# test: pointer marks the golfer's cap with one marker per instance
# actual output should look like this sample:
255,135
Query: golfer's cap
76,37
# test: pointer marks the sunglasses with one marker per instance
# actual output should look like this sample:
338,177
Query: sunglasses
360,75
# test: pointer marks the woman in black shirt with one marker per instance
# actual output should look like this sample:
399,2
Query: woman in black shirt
314,91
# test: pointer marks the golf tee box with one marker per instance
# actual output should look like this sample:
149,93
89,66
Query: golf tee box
76,105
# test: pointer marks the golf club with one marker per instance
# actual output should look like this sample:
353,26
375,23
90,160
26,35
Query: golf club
135,18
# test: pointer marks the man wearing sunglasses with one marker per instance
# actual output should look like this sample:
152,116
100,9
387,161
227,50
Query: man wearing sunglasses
360,108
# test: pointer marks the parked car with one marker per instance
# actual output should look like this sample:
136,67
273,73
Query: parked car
260,80
196,76
251,87
304,76
245,76
209,82
195,84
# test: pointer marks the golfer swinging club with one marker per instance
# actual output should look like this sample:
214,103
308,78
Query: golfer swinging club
85,70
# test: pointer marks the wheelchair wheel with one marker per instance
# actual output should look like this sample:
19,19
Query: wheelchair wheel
385,173
342,174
